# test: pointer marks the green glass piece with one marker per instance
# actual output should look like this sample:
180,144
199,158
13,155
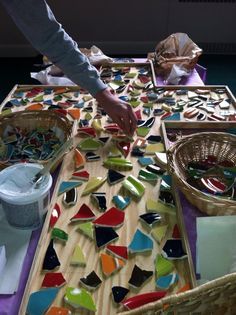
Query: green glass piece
6,112
114,152
157,206
163,266
79,297
87,98
88,116
93,184
159,232
148,176
118,164
57,98
89,144
135,92
134,104
148,105
59,234
130,75
38,99
78,257
142,131
87,229
134,186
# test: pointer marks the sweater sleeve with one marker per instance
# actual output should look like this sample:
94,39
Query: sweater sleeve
39,25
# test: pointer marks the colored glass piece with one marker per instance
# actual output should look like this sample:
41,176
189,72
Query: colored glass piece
93,184
124,147
159,232
167,197
89,144
66,186
173,249
70,197
139,277
100,200
147,176
114,177
110,264
137,152
53,279
150,218
165,282
84,213
40,301
112,128
142,299
121,202
50,261
155,169
161,159
119,293
142,131
139,143
157,206
119,251
155,147
59,234
104,235
87,229
148,123
37,106
74,113
56,212
144,161
166,182
79,297
111,218
118,163
92,157
57,310
134,186
82,175
176,232
154,139
78,257
79,159
138,114
87,131
91,281
140,242
163,266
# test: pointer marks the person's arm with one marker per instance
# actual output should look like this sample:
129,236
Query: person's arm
37,22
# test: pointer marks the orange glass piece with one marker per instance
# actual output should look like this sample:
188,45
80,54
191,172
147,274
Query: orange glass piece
74,113
60,90
186,287
37,106
79,159
110,264
56,310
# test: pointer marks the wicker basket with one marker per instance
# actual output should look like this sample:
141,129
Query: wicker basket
217,297
195,148
31,120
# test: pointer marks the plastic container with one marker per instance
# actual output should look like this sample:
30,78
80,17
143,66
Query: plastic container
24,204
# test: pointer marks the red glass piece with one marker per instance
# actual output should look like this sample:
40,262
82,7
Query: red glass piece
53,279
61,111
88,131
176,232
142,299
124,147
217,184
144,79
83,175
84,213
138,114
111,218
55,215
207,186
119,251
64,105
210,160
232,117
144,99
112,128
167,114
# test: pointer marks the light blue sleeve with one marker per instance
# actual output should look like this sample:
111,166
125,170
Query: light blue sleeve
37,22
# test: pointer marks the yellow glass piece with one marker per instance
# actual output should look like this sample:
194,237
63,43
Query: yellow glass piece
78,257
159,232
157,206
155,147
97,125
93,184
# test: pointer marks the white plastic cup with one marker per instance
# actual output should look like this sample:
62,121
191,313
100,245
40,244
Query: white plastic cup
24,204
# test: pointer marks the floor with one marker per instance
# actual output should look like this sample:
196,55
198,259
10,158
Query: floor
221,70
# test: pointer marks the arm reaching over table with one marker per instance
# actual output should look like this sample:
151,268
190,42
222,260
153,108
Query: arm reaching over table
39,25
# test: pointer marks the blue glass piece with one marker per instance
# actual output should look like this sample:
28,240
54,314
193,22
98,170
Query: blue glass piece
79,105
118,77
140,242
165,282
166,182
16,102
144,161
121,202
174,116
48,102
66,186
40,301
124,98
48,91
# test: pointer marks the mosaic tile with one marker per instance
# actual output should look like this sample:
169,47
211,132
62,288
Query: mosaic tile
167,281
114,152
144,161
93,184
142,131
119,251
91,282
79,298
97,125
161,159
173,249
50,261
155,169
154,139
157,206
110,264
79,159
155,147
111,218
40,301
92,157
121,202
81,175
84,213
87,229
148,176
89,144
139,277
57,310
119,293
134,186
176,232
104,235
143,299
124,147
140,242
74,113
100,201
78,258
53,279
118,164
66,186
87,131
59,234
159,232
150,218
56,212
167,197
163,266
114,177
70,197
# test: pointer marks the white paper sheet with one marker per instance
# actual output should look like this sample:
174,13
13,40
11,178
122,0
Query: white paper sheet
16,243
216,246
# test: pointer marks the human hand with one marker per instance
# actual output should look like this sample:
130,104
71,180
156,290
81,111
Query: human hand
119,111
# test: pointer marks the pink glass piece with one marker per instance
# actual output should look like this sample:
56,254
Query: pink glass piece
119,251
111,218
56,212
53,279
142,299
138,114
84,213
144,99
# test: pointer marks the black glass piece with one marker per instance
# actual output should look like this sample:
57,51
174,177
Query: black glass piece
92,281
155,169
137,152
104,235
173,249
100,199
119,293
50,260
114,177
154,139
166,197
70,197
90,156
150,217
139,276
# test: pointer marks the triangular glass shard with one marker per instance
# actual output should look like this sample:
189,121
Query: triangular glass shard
140,243
50,261
150,218
119,251
40,301
53,279
89,144
74,113
93,184
78,257
176,232
80,298
87,229
167,197
154,139
84,213
92,157
139,277
110,264
79,159
119,293
142,131
159,232
91,281
124,147
173,249
111,218
165,282
81,175
163,266
66,186
104,235
114,177
147,176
